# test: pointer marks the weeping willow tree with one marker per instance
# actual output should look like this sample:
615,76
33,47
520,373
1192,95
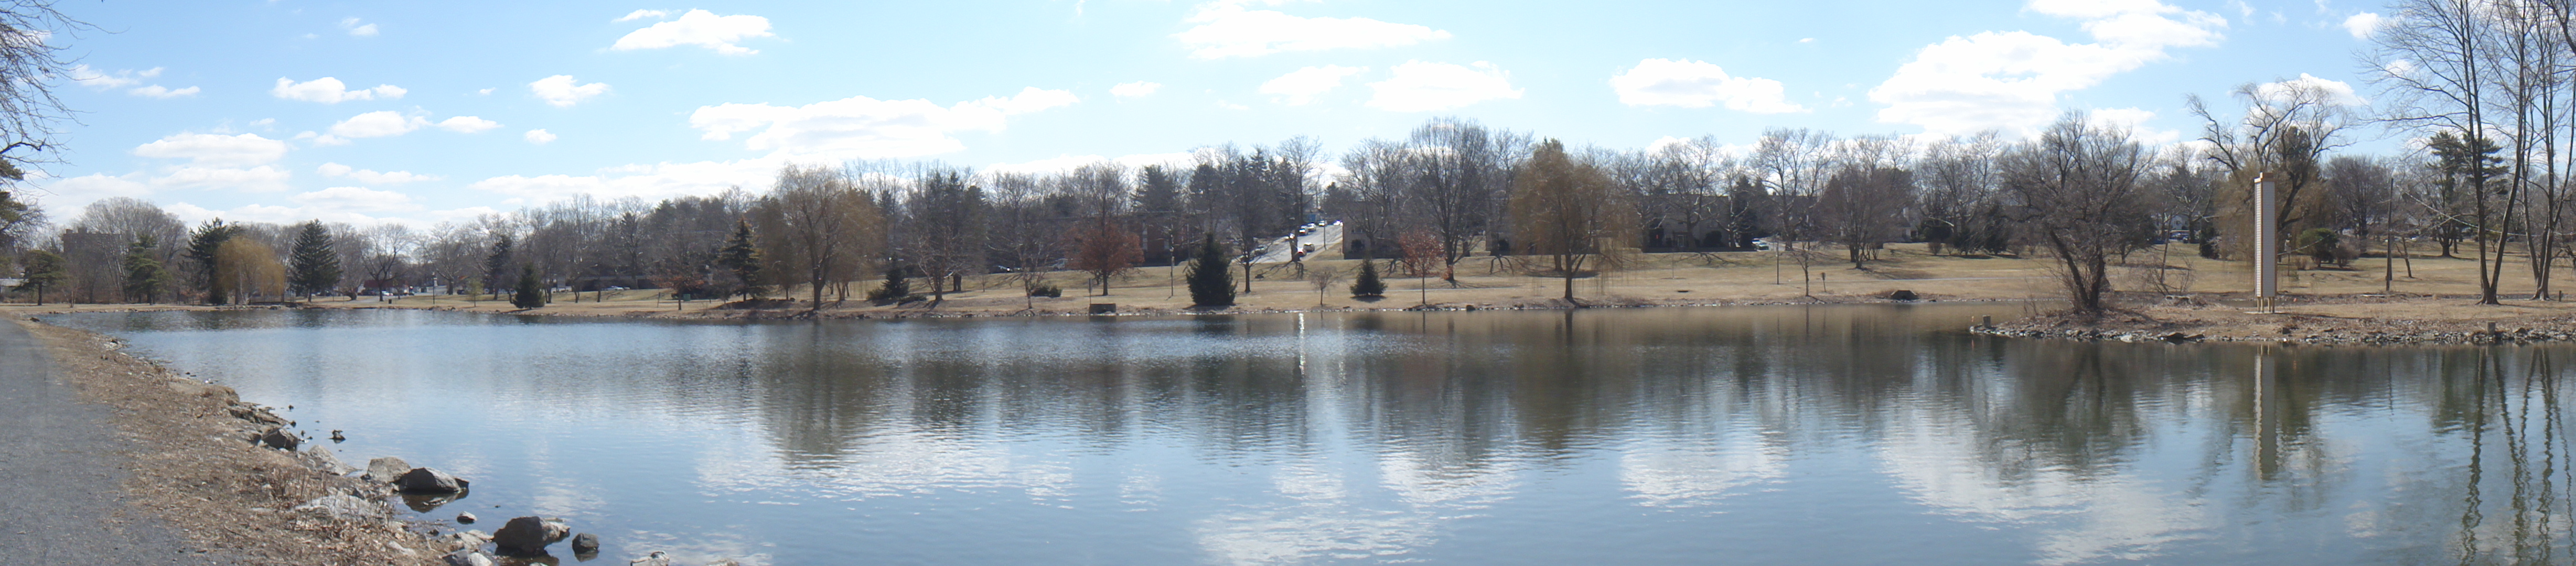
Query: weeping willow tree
1568,212
245,269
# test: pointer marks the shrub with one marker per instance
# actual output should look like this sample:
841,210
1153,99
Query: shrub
1043,289
1368,284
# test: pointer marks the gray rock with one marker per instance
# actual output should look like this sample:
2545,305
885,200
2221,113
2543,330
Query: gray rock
724,562
464,518
528,536
279,439
585,543
654,559
468,558
387,468
425,480
321,458
467,540
345,508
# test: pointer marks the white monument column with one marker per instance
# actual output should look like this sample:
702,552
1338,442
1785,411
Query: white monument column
2267,245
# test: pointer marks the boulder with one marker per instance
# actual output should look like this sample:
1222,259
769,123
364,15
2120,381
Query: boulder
425,480
1902,295
528,536
654,559
469,557
321,458
344,508
464,518
467,540
585,543
279,439
387,468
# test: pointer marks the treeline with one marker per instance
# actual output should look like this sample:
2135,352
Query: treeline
1450,190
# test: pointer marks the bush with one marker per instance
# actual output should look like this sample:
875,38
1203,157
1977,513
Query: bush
1368,284
1045,290
2321,243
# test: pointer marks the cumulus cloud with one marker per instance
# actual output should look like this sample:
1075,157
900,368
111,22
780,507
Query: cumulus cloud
1427,87
96,186
698,27
329,90
1135,89
356,199
859,126
641,14
563,91
1226,29
467,124
2325,90
377,124
2362,25
647,181
1696,84
372,177
2135,121
216,150
322,139
261,179
86,76
538,136
158,91
358,29
1303,85
2011,80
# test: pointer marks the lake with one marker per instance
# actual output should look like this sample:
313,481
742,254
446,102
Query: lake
1860,434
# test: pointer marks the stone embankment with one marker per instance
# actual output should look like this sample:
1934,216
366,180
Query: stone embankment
239,477
2334,321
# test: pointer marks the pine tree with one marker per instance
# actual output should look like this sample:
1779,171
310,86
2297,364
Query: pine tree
496,267
895,288
202,245
314,267
144,276
44,270
531,294
1211,285
1368,285
742,255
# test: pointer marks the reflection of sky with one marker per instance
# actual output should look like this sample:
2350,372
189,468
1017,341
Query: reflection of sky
1387,438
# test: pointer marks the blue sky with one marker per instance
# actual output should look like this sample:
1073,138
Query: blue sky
425,112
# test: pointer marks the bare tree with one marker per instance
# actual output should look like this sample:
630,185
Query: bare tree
2079,186
1568,211
2432,68
818,229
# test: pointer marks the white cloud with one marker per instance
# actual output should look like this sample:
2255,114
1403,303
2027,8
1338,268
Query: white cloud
86,76
654,181
2011,80
641,14
2362,25
96,186
2338,92
1303,85
322,139
329,90
1426,87
377,124
538,136
1696,84
1065,163
158,91
859,126
356,199
215,149
563,91
372,177
1135,89
357,29
2135,121
698,27
261,179
467,124
1228,30
324,211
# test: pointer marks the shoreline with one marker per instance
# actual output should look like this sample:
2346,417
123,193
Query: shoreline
2338,320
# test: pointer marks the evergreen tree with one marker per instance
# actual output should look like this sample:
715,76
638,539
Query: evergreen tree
742,255
312,265
531,294
202,245
144,276
496,267
1211,285
1368,284
44,270
896,287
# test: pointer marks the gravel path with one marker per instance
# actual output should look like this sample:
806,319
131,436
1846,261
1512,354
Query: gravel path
60,502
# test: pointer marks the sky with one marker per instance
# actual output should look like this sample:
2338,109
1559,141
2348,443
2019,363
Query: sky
428,112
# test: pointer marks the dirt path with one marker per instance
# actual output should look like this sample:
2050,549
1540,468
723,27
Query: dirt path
62,474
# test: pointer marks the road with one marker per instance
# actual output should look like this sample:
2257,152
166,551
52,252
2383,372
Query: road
60,502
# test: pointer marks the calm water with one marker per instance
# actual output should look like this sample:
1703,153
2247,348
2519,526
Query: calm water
1769,435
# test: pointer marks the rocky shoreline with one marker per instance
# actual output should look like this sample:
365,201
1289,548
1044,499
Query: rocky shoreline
2323,321
240,478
